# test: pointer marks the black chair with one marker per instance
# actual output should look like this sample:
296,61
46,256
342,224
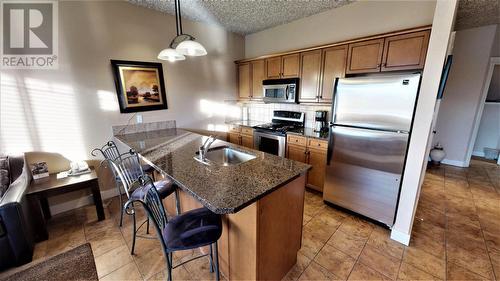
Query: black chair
191,230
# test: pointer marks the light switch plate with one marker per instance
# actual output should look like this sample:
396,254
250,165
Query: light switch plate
138,118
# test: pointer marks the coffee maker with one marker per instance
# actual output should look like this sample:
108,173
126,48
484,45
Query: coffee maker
320,121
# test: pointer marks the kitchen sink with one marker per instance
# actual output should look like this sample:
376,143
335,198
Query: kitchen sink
225,156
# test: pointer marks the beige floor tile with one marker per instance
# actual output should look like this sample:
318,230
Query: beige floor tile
357,227
199,269
149,257
40,250
426,262
381,240
110,241
311,245
428,244
363,272
322,226
409,272
65,241
126,272
335,261
179,273
476,260
112,260
386,265
294,273
457,272
348,244
316,272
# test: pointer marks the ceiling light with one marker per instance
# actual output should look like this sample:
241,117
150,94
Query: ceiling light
171,55
183,44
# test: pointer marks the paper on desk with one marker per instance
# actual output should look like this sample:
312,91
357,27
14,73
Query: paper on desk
62,175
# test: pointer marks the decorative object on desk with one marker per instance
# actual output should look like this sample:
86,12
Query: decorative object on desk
139,85
437,154
183,44
78,168
39,170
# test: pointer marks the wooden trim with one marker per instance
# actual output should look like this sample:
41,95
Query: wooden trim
350,41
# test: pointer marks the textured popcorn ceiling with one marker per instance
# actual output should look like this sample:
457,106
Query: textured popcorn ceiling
475,13
244,16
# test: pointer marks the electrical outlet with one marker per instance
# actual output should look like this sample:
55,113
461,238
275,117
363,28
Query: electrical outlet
138,118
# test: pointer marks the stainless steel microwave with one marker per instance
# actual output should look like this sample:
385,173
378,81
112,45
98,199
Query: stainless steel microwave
281,90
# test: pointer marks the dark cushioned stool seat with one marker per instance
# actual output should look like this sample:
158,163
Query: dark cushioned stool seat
165,187
147,168
196,228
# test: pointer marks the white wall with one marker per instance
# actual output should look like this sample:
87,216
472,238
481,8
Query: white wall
462,96
362,18
418,149
71,110
488,134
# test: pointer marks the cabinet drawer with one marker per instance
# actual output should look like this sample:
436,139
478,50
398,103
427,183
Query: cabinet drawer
297,140
234,129
317,144
247,131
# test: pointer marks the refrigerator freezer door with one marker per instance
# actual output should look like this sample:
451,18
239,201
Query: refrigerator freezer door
364,170
378,102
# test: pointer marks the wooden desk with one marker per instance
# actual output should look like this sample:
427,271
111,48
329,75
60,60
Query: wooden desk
39,190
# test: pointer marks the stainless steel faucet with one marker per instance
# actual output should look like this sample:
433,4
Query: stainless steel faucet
206,145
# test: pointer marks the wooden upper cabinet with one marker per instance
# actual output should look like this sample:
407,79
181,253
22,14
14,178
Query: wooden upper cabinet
310,75
365,56
334,61
258,74
290,66
273,68
404,52
244,81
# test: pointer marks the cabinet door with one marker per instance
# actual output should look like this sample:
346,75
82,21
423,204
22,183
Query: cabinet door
244,80
310,75
273,68
247,141
404,52
365,57
234,138
316,176
296,152
334,60
258,74
290,64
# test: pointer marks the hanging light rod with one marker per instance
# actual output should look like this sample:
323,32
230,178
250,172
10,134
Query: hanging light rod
183,44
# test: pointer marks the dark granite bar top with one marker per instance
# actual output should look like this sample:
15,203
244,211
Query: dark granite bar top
222,189
310,133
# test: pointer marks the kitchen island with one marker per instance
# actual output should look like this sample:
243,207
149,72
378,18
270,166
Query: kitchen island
262,199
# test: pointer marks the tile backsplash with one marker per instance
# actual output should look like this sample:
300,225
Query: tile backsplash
264,112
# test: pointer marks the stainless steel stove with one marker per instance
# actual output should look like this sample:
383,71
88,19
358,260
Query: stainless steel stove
271,137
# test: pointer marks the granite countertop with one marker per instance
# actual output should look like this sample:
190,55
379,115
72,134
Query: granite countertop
310,133
222,189
246,123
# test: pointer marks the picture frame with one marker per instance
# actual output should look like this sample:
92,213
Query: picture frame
139,85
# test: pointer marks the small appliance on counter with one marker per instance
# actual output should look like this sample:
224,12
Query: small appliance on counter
320,121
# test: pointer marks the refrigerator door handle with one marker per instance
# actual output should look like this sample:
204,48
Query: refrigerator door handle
329,152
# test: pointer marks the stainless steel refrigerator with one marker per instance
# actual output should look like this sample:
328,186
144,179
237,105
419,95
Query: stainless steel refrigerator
369,131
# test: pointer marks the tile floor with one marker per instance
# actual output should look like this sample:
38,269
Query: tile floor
456,236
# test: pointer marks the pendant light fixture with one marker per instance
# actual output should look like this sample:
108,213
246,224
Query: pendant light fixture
183,44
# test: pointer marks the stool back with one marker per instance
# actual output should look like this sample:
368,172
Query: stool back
127,169
109,151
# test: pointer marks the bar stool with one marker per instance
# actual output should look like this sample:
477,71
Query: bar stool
191,230
127,168
110,152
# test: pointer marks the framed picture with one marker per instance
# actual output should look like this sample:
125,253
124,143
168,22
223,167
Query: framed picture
139,85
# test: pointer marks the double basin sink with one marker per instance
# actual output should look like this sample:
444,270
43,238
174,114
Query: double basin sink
224,156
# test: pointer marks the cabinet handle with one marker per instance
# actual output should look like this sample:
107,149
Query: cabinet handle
378,65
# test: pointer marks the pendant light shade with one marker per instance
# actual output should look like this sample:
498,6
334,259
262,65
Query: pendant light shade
183,44
191,48
171,55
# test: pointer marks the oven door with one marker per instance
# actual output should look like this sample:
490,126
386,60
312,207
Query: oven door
276,93
269,143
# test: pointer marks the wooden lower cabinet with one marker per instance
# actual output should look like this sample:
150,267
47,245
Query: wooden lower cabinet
313,152
241,136
316,176
261,241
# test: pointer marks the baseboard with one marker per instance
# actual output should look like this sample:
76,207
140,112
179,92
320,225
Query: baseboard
454,163
478,153
80,202
401,237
